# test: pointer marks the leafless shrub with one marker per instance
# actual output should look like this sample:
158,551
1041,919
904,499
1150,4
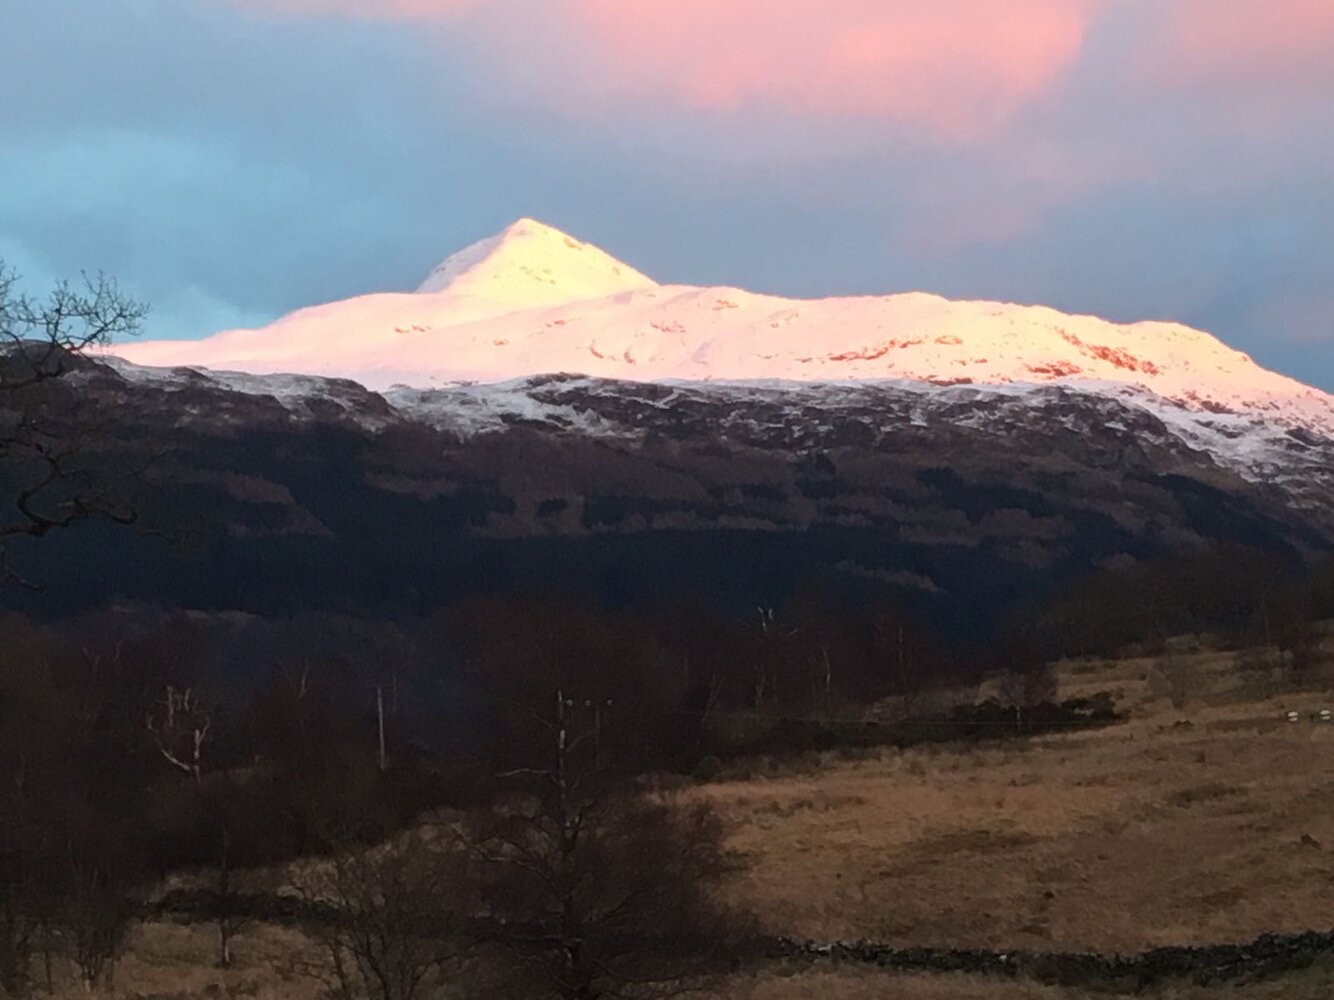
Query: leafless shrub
615,898
394,930
95,912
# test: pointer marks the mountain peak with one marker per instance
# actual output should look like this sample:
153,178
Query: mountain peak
530,264
532,299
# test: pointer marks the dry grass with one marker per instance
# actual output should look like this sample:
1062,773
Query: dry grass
167,961
1149,833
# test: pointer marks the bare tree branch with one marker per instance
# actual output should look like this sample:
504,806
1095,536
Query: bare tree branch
52,444
180,725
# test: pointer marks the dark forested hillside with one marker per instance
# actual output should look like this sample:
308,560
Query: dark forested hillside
348,504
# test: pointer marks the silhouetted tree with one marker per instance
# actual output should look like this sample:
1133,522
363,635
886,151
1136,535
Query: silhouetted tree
600,889
234,837
604,894
22,907
50,470
97,901
398,909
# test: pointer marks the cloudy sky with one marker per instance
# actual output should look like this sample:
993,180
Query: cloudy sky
230,160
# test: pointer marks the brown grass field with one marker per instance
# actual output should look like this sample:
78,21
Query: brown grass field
1207,824
1177,827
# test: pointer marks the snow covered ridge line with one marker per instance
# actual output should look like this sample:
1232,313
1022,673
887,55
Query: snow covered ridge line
532,299
1261,448
306,397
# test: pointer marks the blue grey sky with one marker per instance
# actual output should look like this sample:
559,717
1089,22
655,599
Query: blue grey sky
231,160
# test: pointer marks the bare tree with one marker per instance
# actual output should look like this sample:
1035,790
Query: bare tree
230,915
600,890
394,931
21,924
595,889
71,819
611,899
49,442
95,913
180,724
235,830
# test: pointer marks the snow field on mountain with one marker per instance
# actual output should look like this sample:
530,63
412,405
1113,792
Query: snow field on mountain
532,300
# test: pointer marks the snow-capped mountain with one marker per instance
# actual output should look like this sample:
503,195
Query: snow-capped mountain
540,415
534,300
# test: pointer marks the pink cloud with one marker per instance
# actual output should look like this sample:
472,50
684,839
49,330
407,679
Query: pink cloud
956,68
953,66
1275,40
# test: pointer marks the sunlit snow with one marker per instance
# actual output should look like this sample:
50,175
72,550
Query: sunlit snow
533,300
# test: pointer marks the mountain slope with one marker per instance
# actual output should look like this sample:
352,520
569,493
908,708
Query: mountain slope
275,493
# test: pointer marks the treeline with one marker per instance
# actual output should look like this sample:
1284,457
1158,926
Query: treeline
1240,596
290,691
